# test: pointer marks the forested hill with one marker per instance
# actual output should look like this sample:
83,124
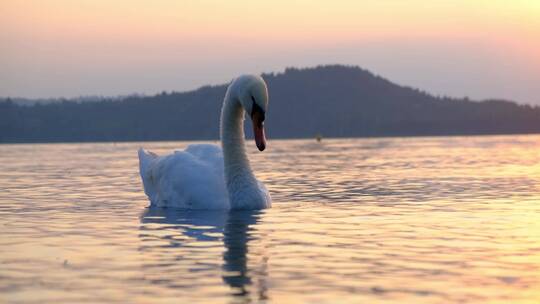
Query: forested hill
334,101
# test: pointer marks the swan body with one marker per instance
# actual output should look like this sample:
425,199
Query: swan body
205,176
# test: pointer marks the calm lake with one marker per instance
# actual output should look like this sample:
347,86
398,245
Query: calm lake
417,220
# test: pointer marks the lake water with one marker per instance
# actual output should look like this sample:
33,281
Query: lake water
416,220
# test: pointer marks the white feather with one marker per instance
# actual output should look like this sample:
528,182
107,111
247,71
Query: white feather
200,177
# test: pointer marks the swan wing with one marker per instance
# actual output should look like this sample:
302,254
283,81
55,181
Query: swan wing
190,179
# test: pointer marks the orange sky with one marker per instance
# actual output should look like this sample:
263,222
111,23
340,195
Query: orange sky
68,48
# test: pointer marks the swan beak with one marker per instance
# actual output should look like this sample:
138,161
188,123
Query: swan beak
257,118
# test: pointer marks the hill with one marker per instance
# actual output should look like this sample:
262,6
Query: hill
335,101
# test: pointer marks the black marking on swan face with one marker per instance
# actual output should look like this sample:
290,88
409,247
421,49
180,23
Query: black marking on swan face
255,108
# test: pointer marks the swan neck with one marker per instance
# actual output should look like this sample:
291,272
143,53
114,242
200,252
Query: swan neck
236,164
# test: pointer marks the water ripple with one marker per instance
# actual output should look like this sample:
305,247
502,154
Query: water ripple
423,220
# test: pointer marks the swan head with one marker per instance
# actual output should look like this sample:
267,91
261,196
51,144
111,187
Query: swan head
253,95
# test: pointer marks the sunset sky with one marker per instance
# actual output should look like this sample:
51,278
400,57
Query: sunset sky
479,49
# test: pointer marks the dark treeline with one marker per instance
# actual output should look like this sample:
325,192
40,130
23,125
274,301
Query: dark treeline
335,101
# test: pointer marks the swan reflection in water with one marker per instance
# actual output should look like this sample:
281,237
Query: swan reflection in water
178,244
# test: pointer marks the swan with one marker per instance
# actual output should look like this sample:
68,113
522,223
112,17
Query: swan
205,176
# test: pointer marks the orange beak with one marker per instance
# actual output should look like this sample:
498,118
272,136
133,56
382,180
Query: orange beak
257,118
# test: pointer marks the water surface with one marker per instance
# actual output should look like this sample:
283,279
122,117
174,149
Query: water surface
418,220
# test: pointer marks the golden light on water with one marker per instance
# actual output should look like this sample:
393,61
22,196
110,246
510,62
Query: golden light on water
416,220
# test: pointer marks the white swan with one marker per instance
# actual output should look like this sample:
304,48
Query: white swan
204,176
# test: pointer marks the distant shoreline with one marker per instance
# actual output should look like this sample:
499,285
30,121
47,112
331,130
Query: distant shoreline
269,139
335,101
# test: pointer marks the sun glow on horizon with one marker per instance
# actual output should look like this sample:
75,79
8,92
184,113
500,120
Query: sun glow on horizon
77,40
